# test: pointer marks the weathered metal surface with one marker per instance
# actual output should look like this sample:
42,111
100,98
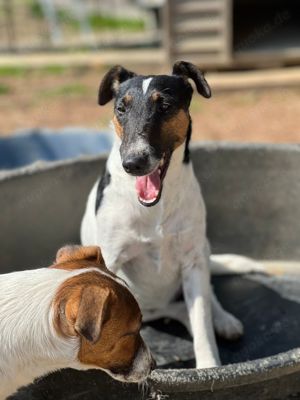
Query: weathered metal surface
252,194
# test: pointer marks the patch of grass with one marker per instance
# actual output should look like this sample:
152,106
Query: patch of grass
13,71
23,71
72,89
196,105
53,69
97,21
100,22
4,89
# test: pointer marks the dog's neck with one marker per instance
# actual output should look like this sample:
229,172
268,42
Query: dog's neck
29,345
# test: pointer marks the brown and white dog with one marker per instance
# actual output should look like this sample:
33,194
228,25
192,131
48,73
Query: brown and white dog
75,314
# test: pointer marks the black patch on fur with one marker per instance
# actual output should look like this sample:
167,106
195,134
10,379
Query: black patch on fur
186,157
188,70
117,74
144,117
104,181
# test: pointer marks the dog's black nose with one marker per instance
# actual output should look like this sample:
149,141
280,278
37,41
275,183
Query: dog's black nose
135,164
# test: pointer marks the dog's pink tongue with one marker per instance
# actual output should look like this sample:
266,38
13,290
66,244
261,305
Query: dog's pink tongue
148,186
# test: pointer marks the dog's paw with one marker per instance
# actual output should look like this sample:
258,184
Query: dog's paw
249,266
236,264
228,326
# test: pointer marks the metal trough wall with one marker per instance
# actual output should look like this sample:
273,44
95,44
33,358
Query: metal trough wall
252,194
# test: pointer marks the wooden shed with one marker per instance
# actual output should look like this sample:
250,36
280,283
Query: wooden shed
229,33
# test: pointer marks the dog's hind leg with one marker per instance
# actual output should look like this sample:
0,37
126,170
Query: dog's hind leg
226,325
223,264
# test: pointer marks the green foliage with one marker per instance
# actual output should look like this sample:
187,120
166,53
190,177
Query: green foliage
12,71
97,21
53,69
100,22
36,9
4,89
72,89
64,17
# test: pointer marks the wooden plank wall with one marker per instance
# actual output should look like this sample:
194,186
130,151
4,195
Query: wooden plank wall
199,31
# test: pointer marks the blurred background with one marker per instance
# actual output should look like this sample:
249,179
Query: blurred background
53,54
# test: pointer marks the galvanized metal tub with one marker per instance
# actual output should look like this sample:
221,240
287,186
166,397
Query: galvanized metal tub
252,194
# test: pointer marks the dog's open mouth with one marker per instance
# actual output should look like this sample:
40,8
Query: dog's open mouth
149,187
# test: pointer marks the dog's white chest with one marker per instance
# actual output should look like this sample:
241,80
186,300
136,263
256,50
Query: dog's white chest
148,247
154,274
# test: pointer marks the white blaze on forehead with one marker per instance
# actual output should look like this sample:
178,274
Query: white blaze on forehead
146,83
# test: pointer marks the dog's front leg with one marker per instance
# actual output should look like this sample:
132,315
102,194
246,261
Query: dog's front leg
196,289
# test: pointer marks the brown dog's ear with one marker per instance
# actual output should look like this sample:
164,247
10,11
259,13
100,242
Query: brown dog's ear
81,309
188,70
91,313
73,253
111,82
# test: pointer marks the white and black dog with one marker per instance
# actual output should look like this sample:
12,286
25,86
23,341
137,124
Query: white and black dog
147,212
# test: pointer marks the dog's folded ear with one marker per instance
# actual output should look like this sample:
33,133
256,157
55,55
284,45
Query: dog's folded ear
188,70
81,310
75,253
92,312
110,83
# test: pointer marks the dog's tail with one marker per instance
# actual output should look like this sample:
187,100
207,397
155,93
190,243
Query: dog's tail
223,264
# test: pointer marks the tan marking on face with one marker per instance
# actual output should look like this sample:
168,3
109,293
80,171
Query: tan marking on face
155,96
118,127
127,99
174,130
106,317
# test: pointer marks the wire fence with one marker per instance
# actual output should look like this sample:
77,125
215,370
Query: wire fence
28,25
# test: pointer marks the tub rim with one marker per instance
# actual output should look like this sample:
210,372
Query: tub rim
228,376
40,166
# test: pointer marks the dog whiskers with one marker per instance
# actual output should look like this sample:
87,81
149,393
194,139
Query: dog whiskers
143,387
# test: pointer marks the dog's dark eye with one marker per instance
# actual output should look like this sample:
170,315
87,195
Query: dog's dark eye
121,108
164,107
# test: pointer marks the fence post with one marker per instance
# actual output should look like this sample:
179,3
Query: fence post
168,30
8,7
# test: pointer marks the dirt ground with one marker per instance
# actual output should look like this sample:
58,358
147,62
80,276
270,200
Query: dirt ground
59,97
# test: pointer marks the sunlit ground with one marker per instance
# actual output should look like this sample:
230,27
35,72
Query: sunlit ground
56,97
